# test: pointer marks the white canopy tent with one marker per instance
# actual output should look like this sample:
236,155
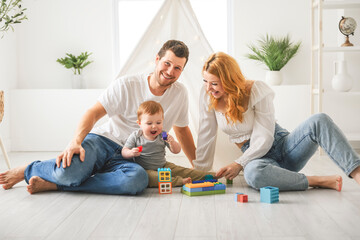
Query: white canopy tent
177,20
174,20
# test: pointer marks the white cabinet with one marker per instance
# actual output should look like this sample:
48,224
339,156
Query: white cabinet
343,107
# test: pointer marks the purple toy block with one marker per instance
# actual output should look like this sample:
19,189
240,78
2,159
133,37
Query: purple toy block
164,135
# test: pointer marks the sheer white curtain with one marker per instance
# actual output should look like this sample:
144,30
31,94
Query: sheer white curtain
175,20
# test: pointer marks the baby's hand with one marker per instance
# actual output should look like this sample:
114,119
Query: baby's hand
135,152
169,138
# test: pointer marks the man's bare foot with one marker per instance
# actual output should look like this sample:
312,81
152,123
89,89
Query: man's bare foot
12,177
187,180
37,184
333,182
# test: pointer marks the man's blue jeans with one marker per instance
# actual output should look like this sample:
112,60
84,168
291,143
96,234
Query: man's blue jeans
104,170
291,151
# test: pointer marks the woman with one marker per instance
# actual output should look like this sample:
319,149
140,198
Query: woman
272,156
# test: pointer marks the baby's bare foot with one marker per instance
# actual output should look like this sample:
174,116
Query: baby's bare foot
37,184
187,180
12,177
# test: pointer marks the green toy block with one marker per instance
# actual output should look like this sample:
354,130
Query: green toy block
202,193
228,181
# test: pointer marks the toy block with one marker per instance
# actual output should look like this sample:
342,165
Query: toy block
228,181
206,188
140,148
269,194
240,197
209,177
219,186
202,181
164,174
164,135
199,185
192,189
165,187
202,193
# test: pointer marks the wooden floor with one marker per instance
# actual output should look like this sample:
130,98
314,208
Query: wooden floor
311,214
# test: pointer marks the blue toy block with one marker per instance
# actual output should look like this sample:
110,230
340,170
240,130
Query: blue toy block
208,188
192,189
269,194
202,181
219,186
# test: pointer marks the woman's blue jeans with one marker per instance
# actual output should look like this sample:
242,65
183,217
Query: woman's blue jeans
104,170
291,151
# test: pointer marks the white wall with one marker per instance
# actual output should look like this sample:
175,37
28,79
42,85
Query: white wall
255,18
57,27
8,80
28,57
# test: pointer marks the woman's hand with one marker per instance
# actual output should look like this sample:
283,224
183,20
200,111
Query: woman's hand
230,171
67,155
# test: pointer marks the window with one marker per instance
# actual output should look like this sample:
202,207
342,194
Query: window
132,18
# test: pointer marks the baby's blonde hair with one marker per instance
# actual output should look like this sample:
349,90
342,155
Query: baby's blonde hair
149,107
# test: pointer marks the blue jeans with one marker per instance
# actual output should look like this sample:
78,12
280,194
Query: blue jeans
291,151
104,170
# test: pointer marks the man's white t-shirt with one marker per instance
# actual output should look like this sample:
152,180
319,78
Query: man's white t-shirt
122,99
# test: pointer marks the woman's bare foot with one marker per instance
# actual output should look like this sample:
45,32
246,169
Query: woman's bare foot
187,180
37,184
333,182
12,177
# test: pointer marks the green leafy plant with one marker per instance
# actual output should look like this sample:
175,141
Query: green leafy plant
275,53
11,12
77,63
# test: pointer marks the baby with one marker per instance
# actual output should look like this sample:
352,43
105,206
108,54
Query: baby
147,147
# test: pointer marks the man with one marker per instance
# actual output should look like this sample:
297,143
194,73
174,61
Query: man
92,161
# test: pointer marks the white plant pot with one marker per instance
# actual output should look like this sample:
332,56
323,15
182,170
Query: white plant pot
341,81
77,81
273,77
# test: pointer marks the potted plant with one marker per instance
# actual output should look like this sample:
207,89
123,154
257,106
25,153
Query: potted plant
77,64
275,53
11,12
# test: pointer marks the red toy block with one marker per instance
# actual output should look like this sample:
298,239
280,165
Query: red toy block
240,197
140,148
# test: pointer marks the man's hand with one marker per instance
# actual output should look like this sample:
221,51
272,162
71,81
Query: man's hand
67,155
230,171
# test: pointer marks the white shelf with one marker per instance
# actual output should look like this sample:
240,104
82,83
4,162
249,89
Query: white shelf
344,94
341,4
342,49
342,107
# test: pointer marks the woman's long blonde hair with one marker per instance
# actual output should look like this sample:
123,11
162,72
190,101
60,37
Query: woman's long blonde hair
233,81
